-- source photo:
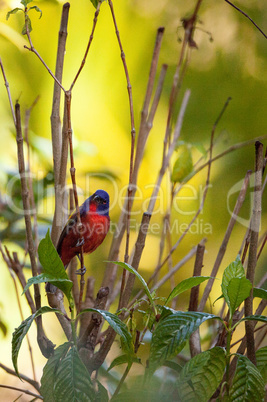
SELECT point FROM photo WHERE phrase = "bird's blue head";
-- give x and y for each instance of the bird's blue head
(99, 202)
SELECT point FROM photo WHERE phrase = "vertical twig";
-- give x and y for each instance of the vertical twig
(8, 91)
(238, 205)
(89, 44)
(252, 256)
(144, 131)
(46, 346)
(55, 114)
(194, 341)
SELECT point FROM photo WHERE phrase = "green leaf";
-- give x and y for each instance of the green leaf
(238, 290)
(183, 165)
(173, 365)
(95, 3)
(119, 327)
(171, 333)
(261, 318)
(53, 266)
(20, 332)
(124, 359)
(49, 372)
(36, 9)
(201, 376)
(185, 285)
(247, 384)
(141, 279)
(44, 278)
(102, 393)
(233, 271)
(259, 292)
(25, 2)
(261, 357)
(200, 147)
(28, 24)
(14, 11)
(73, 382)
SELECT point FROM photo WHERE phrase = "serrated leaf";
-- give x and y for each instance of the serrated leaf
(171, 333)
(14, 11)
(20, 332)
(49, 372)
(102, 393)
(185, 285)
(129, 268)
(53, 266)
(234, 270)
(119, 327)
(183, 165)
(124, 359)
(259, 292)
(238, 290)
(36, 9)
(261, 357)
(73, 382)
(247, 384)
(201, 376)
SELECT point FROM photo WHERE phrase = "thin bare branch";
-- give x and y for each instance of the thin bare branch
(247, 16)
(130, 186)
(238, 205)
(194, 341)
(25, 391)
(252, 256)
(45, 344)
(34, 383)
(8, 91)
(89, 44)
(55, 113)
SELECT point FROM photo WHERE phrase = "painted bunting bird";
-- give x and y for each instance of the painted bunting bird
(95, 222)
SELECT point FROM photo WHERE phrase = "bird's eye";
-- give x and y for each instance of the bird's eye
(104, 202)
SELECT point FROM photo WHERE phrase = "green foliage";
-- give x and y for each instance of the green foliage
(247, 384)
(95, 2)
(119, 327)
(171, 333)
(124, 359)
(129, 268)
(183, 165)
(49, 372)
(20, 332)
(261, 357)
(27, 28)
(235, 287)
(201, 376)
(261, 293)
(53, 268)
(186, 284)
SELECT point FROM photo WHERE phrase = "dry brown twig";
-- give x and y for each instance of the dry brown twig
(252, 257)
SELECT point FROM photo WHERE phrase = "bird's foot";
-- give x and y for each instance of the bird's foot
(81, 271)
(80, 242)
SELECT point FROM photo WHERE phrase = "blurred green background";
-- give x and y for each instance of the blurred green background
(233, 64)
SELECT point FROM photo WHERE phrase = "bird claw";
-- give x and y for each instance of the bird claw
(81, 271)
(80, 242)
